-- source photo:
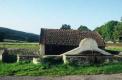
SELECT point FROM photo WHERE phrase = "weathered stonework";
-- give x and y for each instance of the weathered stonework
(1, 52)
(87, 52)
(42, 50)
(36, 60)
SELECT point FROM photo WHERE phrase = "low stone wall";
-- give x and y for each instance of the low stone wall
(16, 55)
(84, 60)
(81, 60)
(116, 58)
(26, 57)
(78, 60)
(52, 59)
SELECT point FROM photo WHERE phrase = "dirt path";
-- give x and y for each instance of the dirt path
(79, 77)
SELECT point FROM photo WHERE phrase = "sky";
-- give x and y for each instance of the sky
(31, 15)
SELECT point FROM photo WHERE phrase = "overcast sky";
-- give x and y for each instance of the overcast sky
(31, 15)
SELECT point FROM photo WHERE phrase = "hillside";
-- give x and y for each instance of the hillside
(10, 34)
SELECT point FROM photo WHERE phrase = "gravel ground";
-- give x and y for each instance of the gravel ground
(75, 77)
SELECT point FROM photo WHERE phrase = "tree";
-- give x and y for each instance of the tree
(2, 36)
(83, 28)
(65, 26)
(107, 30)
(117, 31)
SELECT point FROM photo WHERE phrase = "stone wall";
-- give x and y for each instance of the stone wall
(83, 60)
(16, 55)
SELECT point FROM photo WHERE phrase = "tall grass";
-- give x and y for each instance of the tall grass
(29, 69)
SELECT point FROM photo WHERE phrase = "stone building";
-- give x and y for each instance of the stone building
(58, 41)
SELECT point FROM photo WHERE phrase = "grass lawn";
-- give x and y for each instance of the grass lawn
(29, 69)
(114, 47)
(20, 45)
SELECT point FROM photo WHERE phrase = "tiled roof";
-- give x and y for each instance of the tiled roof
(68, 37)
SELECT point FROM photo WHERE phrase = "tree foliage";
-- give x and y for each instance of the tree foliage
(83, 28)
(111, 30)
(65, 26)
(117, 31)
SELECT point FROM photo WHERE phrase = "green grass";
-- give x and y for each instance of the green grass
(20, 45)
(114, 47)
(29, 69)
